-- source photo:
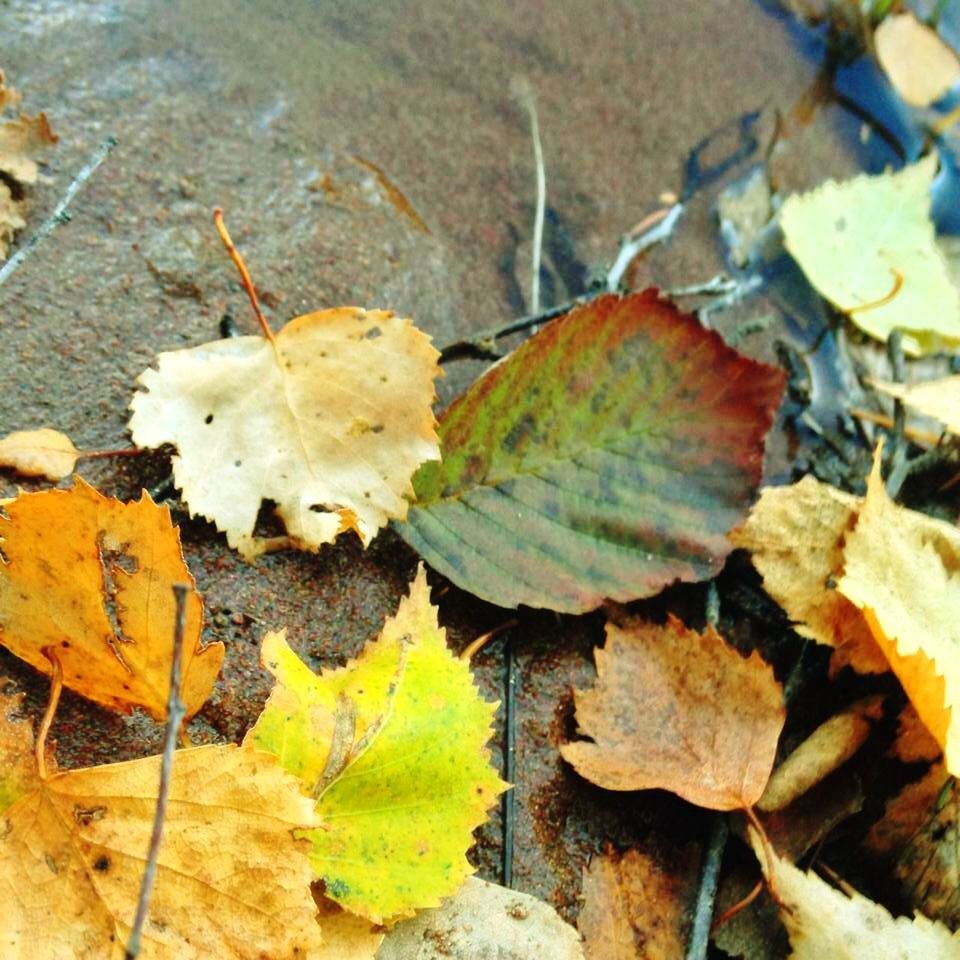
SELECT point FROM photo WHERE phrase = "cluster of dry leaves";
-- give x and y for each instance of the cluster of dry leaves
(349, 806)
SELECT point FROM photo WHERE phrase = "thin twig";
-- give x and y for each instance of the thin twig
(56, 686)
(175, 714)
(707, 892)
(633, 245)
(898, 446)
(59, 215)
(509, 760)
(523, 92)
(244, 273)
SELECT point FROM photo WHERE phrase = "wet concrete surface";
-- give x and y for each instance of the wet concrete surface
(259, 108)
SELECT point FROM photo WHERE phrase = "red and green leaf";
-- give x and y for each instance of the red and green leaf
(607, 457)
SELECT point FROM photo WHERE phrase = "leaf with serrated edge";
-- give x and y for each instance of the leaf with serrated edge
(825, 923)
(679, 710)
(606, 458)
(868, 245)
(329, 421)
(232, 881)
(400, 808)
(92, 577)
(901, 569)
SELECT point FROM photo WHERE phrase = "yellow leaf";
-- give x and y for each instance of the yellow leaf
(939, 399)
(92, 578)
(679, 710)
(796, 536)
(232, 882)
(921, 66)
(345, 935)
(868, 246)
(825, 923)
(902, 569)
(394, 747)
(329, 421)
(39, 453)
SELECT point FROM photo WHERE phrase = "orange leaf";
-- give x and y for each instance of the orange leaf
(680, 710)
(92, 577)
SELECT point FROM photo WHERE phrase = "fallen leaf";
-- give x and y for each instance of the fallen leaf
(939, 399)
(39, 453)
(680, 710)
(901, 569)
(829, 746)
(921, 66)
(638, 905)
(913, 742)
(608, 456)
(345, 935)
(329, 421)
(21, 141)
(823, 922)
(231, 880)
(796, 537)
(481, 921)
(396, 743)
(92, 578)
(904, 815)
(868, 245)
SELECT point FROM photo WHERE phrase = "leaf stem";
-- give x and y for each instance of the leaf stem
(475, 646)
(56, 687)
(244, 273)
(175, 714)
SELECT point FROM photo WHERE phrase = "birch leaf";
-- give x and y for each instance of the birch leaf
(394, 744)
(868, 245)
(92, 577)
(232, 882)
(329, 421)
(39, 453)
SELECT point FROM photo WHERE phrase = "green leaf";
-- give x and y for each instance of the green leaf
(607, 457)
(394, 744)
(868, 245)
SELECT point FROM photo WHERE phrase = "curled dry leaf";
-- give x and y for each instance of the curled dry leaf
(921, 66)
(232, 881)
(680, 710)
(482, 921)
(393, 746)
(868, 245)
(92, 578)
(823, 922)
(829, 746)
(902, 569)
(607, 457)
(796, 536)
(39, 453)
(638, 904)
(329, 421)
(21, 141)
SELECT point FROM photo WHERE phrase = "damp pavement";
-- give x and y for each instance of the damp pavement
(262, 108)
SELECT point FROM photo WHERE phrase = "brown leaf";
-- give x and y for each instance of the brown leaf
(638, 904)
(921, 66)
(680, 710)
(92, 578)
(329, 421)
(39, 453)
(232, 882)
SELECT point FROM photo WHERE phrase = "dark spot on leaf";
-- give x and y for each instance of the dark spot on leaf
(87, 815)
(372, 333)
(208, 418)
(101, 864)
(237, 463)
(377, 428)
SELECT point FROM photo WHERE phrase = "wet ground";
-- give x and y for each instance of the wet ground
(260, 108)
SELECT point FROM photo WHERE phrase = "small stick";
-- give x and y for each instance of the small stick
(523, 92)
(742, 904)
(244, 273)
(59, 214)
(509, 761)
(882, 420)
(472, 648)
(898, 448)
(175, 714)
(632, 246)
(56, 687)
(707, 892)
(119, 452)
